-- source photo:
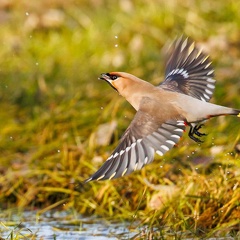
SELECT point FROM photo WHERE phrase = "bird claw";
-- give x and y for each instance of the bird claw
(195, 131)
(196, 128)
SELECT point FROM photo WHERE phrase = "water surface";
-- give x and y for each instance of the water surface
(60, 225)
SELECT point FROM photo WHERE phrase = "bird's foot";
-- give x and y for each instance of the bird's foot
(194, 130)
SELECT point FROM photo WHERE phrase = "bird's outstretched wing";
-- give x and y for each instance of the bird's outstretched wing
(188, 71)
(144, 136)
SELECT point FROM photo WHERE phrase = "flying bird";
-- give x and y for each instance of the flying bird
(163, 111)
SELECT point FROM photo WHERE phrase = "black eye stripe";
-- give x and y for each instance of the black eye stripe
(111, 76)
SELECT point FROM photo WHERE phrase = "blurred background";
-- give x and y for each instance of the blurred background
(58, 123)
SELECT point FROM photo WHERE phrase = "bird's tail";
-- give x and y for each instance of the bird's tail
(235, 112)
(225, 111)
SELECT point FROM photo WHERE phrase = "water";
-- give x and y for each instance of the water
(60, 225)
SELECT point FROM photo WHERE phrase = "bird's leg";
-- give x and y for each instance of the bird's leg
(194, 131)
(196, 128)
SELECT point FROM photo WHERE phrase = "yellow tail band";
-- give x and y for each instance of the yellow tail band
(238, 115)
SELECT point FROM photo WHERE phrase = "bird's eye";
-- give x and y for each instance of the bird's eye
(113, 77)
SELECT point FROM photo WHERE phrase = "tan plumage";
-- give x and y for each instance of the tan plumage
(163, 111)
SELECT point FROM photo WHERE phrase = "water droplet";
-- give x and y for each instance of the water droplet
(101, 108)
(161, 166)
(58, 151)
(116, 36)
(116, 45)
(36, 63)
(27, 14)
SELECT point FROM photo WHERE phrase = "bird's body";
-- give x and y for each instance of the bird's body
(163, 111)
(172, 104)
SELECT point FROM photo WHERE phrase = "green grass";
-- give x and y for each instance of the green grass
(52, 104)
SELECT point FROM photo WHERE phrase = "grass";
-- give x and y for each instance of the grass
(52, 106)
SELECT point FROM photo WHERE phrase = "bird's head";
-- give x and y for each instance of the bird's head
(120, 81)
(111, 79)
